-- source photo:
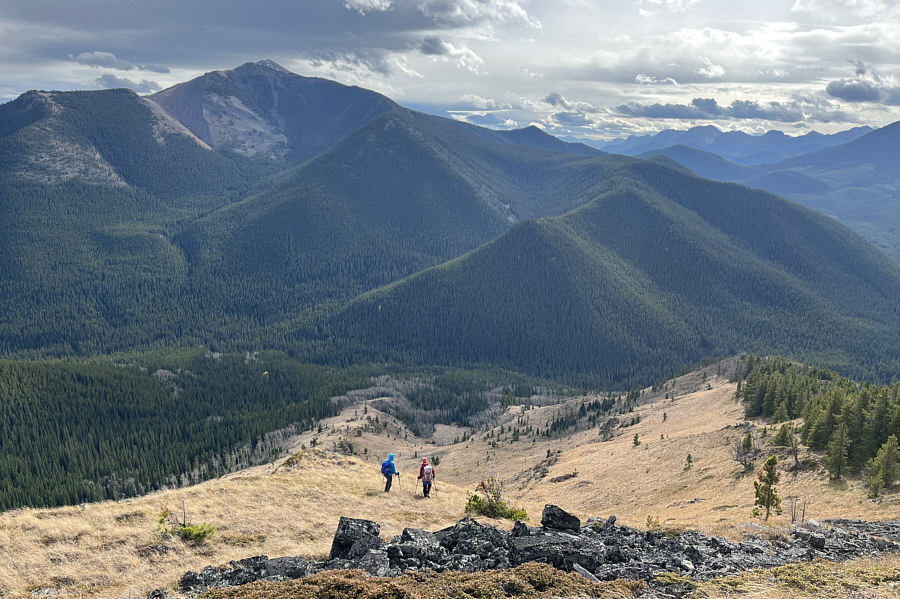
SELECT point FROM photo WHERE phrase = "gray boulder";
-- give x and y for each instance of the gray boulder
(351, 531)
(556, 517)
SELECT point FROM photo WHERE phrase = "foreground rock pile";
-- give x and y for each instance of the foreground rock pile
(600, 549)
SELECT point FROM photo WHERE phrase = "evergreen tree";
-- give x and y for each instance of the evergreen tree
(766, 495)
(883, 467)
(836, 454)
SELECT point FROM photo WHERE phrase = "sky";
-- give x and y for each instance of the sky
(594, 69)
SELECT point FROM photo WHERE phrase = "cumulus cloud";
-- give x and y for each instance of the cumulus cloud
(461, 13)
(643, 79)
(464, 57)
(571, 119)
(709, 109)
(867, 86)
(374, 60)
(479, 103)
(486, 120)
(364, 6)
(709, 69)
(557, 100)
(112, 82)
(102, 59)
(111, 61)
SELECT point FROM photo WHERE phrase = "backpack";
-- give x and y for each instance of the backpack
(427, 474)
(387, 468)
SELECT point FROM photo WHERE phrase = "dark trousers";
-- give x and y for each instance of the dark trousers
(387, 485)
(426, 489)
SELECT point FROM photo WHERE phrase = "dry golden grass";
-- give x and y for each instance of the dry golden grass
(860, 579)
(292, 508)
(113, 549)
(615, 477)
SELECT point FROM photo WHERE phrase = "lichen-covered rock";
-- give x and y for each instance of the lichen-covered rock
(416, 549)
(376, 563)
(290, 567)
(351, 531)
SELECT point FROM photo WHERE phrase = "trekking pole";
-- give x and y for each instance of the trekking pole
(416, 492)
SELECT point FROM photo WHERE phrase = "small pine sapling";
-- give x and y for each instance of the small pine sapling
(767, 497)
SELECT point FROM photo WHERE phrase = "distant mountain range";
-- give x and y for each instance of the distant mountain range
(857, 182)
(735, 146)
(255, 208)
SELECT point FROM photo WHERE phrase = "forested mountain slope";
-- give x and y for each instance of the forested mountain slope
(241, 224)
(404, 192)
(857, 182)
(661, 268)
(124, 229)
(92, 185)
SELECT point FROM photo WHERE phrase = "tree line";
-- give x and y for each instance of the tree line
(856, 424)
(73, 432)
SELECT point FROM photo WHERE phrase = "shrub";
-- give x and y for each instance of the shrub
(171, 526)
(195, 533)
(491, 504)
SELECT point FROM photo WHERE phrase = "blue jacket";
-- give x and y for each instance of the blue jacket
(393, 466)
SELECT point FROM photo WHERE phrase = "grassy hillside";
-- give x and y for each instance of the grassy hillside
(112, 549)
(660, 269)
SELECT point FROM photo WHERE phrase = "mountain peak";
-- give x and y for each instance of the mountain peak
(271, 64)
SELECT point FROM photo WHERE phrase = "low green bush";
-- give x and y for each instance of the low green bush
(491, 504)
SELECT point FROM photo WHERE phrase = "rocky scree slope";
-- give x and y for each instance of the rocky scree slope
(600, 550)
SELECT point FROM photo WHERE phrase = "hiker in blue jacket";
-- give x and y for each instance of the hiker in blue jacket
(389, 469)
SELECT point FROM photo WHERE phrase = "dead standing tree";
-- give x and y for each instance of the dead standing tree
(744, 450)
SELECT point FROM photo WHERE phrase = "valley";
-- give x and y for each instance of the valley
(225, 303)
(291, 507)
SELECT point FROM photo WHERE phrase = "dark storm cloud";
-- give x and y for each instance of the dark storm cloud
(868, 86)
(853, 90)
(163, 29)
(207, 34)
(707, 106)
(111, 82)
(434, 46)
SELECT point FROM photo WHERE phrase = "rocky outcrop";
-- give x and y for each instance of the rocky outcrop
(354, 538)
(600, 549)
(555, 517)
